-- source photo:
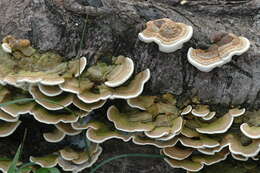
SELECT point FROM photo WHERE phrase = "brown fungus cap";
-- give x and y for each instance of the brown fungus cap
(169, 35)
(222, 124)
(55, 136)
(51, 103)
(201, 142)
(141, 102)
(219, 53)
(177, 153)
(53, 117)
(236, 147)
(186, 110)
(144, 140)
(50, 91)
(8, 118)
(122, 121)
(87, 107)
(48, 161)
(76, 86)
(67, 129)
(200, 110)
(99, 132)
(121, 73)
(7, 128)
(252, 132)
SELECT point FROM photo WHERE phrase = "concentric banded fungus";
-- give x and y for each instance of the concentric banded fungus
(165, 126)
(169, 35)
(6, 117)
(51, 103)
(54, 136)
(7, 128)
(201, 111)
(48, 161)
(209, 116)
(99, 132)
(144, 140)
(87, 107)
(121, 73)
(221, 125)
(236, 147)
(122, 121)
(141, 102)
(252, 132)
(239, 157)
(52, 117)
(219, 53)
(134, 88)
(186, 110)
(75, 86)
(69, 154)
(177, 153)
(201, 142)
(17, 108)
(67, 129)
(190, 133)
(88, 161)
(196, 162)
(50, 90)
(82, 64)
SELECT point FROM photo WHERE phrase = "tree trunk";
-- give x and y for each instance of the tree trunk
(112, 28)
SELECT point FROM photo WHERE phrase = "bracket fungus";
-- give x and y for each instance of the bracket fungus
(219, 53)
(7, 128)
(55, 136)
(48, 161)
(169, 35)
(252, 132)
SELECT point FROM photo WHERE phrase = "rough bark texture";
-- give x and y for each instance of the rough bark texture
(112, 28)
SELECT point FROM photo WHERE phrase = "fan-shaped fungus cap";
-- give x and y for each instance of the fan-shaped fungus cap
(88, 96)
(6, 117)
(144, 140)
(186, 110)
(121, 73)
(173, 129)
(17, 108)
(67, 129)
(201, 142)
(55, 136)
(134, 88)
(141, 102)
(6, 48)
(169, 35)
(99, 132)
(4, 165)
(201, 111)
(252, 132)
(219, 53)
(222, 124)
(122, 121)
(209, 116)
(177, 153)
(51, 103)
(7, 128)
(188, 132)
(186, 164)
(69, 154)
(87, 107)
(236, 147)
(52, 117)
(76, 86)
(48, 161)
(239, 157)
(70, 166)
(50, 90)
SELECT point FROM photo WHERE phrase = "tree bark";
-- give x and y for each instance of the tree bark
(112, 28)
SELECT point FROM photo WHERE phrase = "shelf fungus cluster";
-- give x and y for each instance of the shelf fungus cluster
(70, 159)
(190, 137)
(62, 94)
